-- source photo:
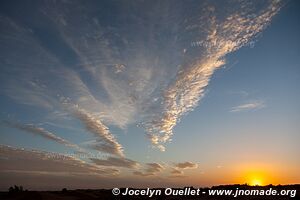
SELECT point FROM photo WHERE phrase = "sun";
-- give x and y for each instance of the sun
(257, 174)
(256, 179)
(256, 182)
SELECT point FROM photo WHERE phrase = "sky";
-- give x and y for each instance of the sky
(103, 94)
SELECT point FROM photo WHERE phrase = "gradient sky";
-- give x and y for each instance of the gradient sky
(108, 94)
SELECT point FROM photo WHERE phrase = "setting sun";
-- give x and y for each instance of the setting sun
(257, 174)
(256, 182)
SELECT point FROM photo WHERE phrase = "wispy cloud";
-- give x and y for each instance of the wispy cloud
(31, 128)
(106, 142)
(186, 165)
(116, 162)
(177, 170)
(223, 36)
(146, 78)
(150, 170)
(33, 161)
(254, 105)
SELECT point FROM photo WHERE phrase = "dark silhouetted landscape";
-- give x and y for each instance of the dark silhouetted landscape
(15, 193)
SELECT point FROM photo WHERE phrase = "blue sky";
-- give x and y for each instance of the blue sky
(125, 90)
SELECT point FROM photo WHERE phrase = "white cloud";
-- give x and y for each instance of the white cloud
(115, 162)
(127, 77)
(254, 105)
(30, 128)
(186, 165)
(223, 36)
(33, 161)
(150, 170)
(176, 171)
(105, 142)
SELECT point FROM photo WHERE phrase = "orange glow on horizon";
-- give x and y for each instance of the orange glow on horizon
(256, 182)
(258, 176)
(253, 174)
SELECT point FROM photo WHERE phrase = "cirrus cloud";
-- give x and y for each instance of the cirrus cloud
(253, 105)
(24, 161)
(124, 75)
(150, 170)
(30, 128)
(186, 165)
(116, 162)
